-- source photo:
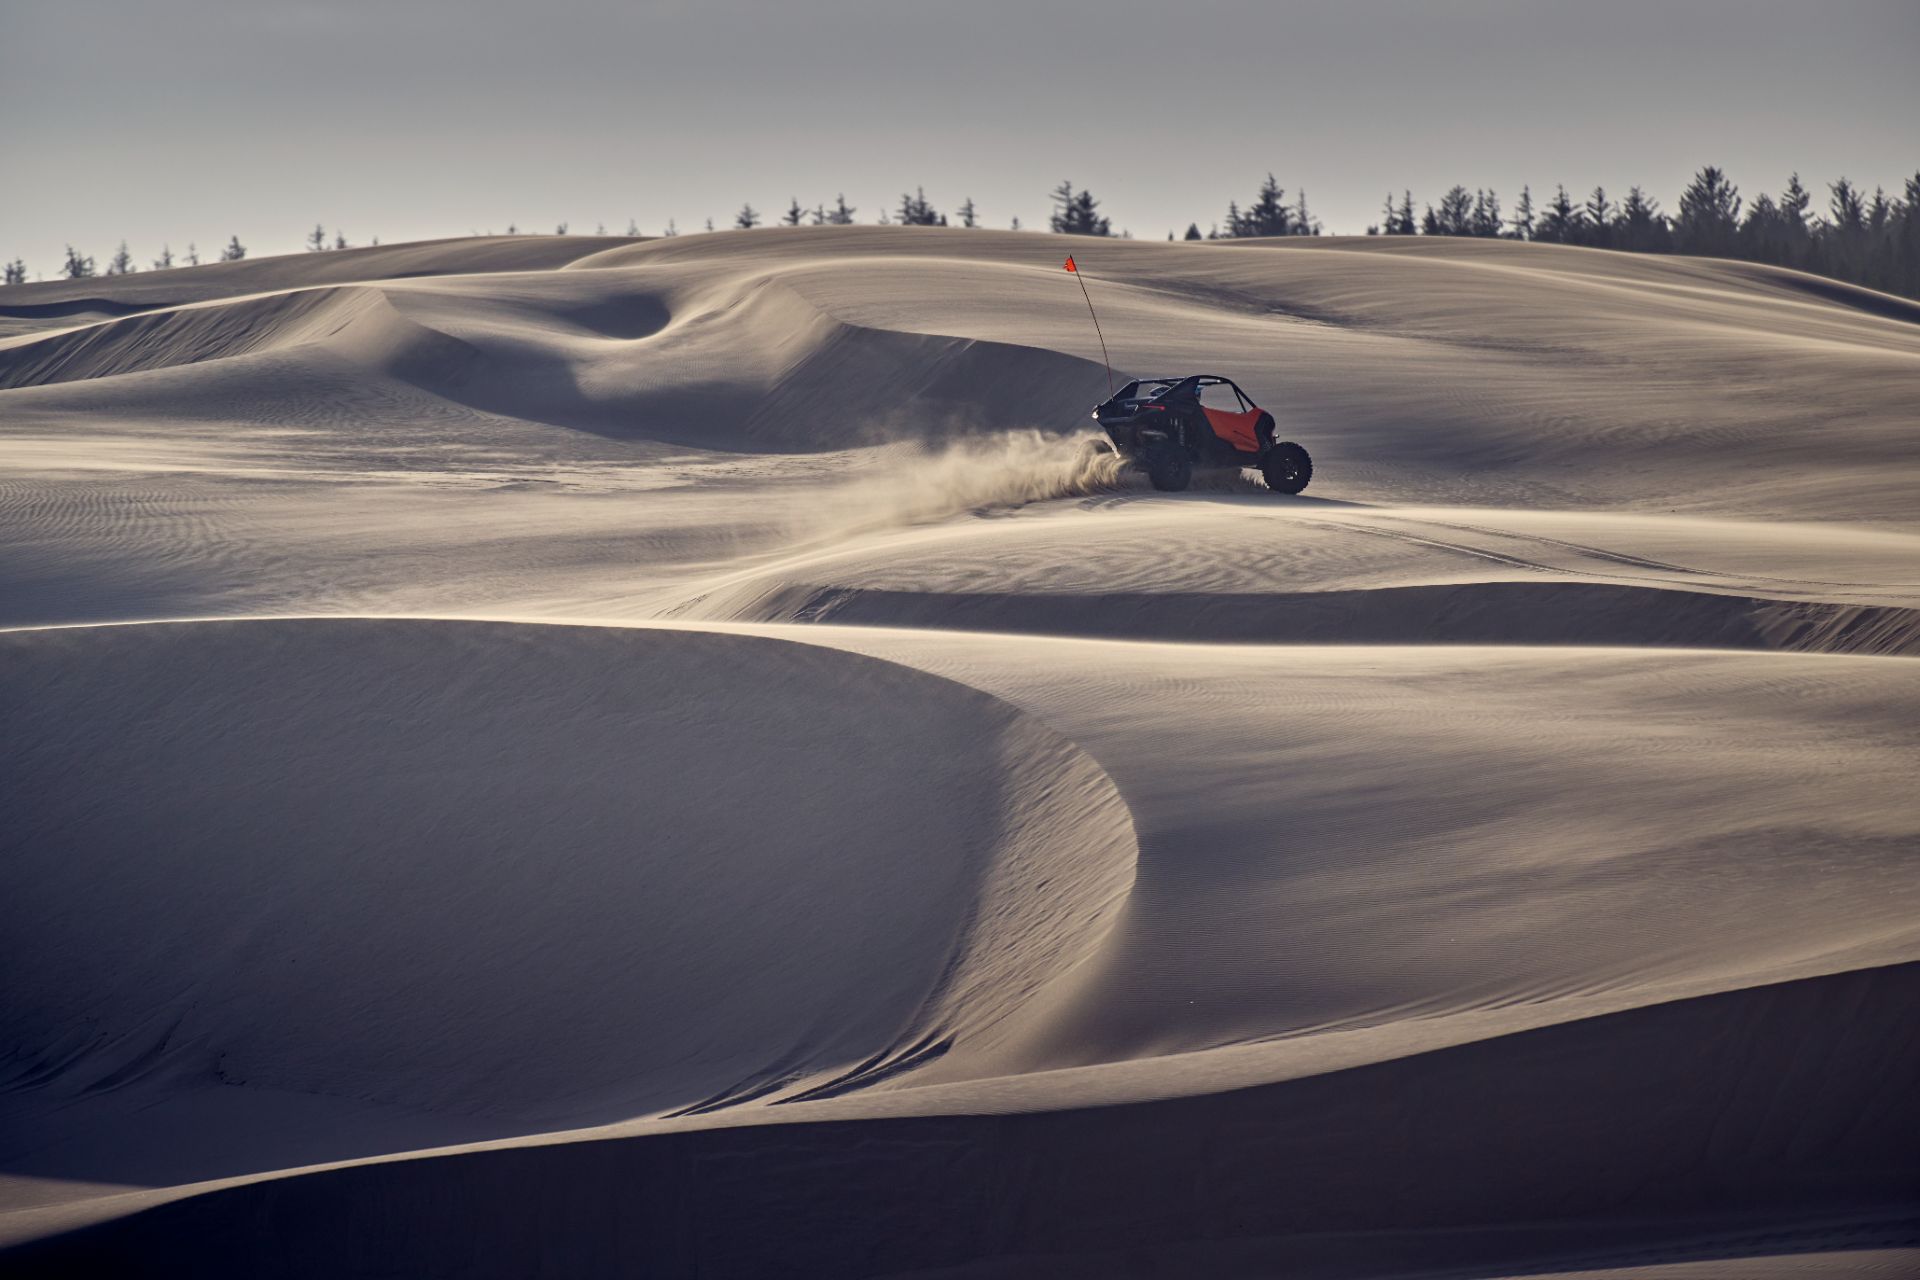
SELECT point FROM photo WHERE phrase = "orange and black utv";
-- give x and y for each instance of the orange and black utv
(1171, 426)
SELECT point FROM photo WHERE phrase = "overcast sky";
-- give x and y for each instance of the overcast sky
(192, 120)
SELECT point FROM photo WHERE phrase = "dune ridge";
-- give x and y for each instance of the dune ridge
(1474, 614)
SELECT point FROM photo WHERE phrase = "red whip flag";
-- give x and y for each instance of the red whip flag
(1096, 321)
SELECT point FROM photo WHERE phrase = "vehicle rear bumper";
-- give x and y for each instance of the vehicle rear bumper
(1137, 432)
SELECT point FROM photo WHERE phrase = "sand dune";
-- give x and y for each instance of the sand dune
(1285, 1178)
(665, 756)
(541, 786)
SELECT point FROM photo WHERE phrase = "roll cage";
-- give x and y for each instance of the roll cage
(1147, 390)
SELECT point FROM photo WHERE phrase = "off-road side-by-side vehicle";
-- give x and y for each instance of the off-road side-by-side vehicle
(1170, 427)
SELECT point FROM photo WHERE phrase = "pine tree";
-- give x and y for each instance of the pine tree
(340, 240)
(1429, 222)
(709, 224)
(1848, 208)
(791, 218)
(1599, 219)
(560, 230)
(165, 260)
(1390, 217)
(672, 229)
(16, 272)
(969, 216)
(1087, 217)
(1076, 213)
(1455, 217)
(1794, 233)
(1303, 221)
(1640, 227)
(234, 251)
(1881, 254)
(818, 217)
(121, 264)
(1268, 215)
(1763, 234)
(1906, 243)
(1062, 206)
(841, 215)
(1015, 224)
(193, 254)
(1406, 227)
(1193, 231)
(1522, 222)
(1486, 214)
(747, 219)
(1709, 215)
(1844, 239)
(633, 227)
(77, 266)
(1560, 224)
(317, 239)
(916, 212)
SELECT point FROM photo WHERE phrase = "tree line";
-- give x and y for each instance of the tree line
(80, 266)
(1869, 240)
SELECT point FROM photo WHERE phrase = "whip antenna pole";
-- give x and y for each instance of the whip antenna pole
(1096, 321)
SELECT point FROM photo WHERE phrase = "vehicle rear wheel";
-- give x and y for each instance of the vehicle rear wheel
(1169, 468)
(1286, 467)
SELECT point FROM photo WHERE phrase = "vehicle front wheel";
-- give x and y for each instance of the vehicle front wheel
(1169, 468)
(1286, 467)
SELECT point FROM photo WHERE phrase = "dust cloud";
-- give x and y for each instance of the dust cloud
(909, 484)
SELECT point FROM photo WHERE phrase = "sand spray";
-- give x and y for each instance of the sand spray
(919, 483)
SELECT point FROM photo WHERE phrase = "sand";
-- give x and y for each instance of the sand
(564, 755)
